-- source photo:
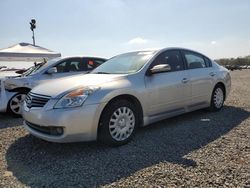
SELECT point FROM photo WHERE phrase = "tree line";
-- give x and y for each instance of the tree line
(234, 61)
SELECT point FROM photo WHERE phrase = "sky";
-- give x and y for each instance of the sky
(104, 28)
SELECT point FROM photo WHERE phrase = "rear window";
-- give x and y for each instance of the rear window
(208, 62)
(194, 60)
(93, 63)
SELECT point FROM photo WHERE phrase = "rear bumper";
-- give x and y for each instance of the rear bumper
(228, 83)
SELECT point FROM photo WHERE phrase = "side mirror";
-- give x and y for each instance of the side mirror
(160, 68)
(52, 70)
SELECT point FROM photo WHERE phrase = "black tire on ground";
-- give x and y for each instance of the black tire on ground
(218, 90)
(12, 101)
(104, 130)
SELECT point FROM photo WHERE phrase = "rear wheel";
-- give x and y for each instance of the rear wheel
(118, 123)
(15, 104)
(218, 98)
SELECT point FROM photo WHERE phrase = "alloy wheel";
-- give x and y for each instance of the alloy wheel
(16, 103)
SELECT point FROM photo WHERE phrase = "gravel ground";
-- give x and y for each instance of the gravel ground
(199, 149)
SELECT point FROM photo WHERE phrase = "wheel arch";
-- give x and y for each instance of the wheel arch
(21, 89)
(223, 87)
(131, 98)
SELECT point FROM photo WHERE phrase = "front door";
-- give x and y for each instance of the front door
(168, 92)
(67, 67)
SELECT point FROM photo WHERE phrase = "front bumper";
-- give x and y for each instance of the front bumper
(5, 96)
(78, 124)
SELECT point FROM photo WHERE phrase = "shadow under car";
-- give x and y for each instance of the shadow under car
(38, 163)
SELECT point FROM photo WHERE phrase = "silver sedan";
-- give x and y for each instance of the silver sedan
(129, 90)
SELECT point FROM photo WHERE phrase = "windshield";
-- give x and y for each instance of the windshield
(44, 66)
(32, 69)
(124, 64)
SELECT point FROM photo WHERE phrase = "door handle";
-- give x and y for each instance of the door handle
(212, 74)
(184, 80)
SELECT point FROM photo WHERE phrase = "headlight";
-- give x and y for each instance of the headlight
(75, 98)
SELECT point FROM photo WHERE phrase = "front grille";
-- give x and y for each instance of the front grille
(36, 100)
(54, 131)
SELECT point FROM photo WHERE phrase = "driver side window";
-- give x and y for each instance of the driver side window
(172, 58)
(69, 65)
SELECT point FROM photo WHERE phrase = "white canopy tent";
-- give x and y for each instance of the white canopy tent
(26, 52)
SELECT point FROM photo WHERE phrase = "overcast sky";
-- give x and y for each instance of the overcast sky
(217, 28)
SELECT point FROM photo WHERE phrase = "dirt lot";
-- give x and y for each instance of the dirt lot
(200, 149)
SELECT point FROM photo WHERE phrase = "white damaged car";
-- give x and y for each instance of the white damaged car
(16, 88)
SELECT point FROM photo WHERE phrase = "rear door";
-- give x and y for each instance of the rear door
(168, 91)
(201, 75)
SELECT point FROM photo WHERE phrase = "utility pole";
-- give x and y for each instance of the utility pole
(32, 27)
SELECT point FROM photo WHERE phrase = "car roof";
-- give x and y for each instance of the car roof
(159, 50)
(181, 48)
(69, 57)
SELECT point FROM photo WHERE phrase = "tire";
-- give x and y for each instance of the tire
(15, 104)
(218, 98)
(118, 123)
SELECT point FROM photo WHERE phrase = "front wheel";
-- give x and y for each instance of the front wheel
(218, 98)
(15, 104)
(118, 123)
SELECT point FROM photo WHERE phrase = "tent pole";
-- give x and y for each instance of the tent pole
(33, 37)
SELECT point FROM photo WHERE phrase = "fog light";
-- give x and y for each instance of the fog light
(59, 130)
(56, 131)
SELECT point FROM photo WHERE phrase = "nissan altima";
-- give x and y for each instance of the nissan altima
(128, 91)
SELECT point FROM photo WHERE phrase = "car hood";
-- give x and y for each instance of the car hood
(6, 74)
(59, 86)
(15, 82)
